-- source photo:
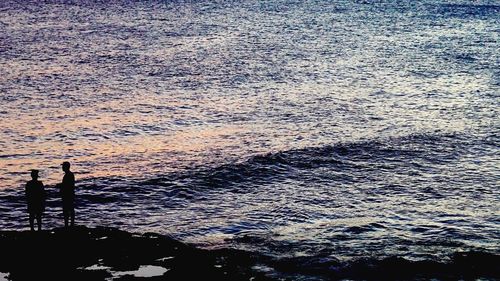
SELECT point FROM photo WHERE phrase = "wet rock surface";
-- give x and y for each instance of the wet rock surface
(110, 254)
(105, 253)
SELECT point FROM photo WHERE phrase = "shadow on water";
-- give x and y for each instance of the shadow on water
(417, 150)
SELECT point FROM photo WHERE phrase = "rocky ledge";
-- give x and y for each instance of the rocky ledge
(104, 253)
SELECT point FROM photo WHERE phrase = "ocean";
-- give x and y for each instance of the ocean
(343, 130)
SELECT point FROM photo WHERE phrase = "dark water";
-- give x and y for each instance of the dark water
(348, 129)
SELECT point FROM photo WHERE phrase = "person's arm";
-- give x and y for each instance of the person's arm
(28, 192)
(43, 190)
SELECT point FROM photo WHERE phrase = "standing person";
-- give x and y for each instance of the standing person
(67, 190)
(35, 196)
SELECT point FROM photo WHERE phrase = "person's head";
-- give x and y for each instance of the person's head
(34, 174)
(65, 166)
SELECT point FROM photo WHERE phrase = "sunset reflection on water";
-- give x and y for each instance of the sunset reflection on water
(361, 127)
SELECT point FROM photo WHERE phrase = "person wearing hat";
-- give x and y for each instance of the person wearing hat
(35, 196)
(67, 191)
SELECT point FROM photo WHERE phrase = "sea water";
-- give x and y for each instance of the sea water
(341, 129)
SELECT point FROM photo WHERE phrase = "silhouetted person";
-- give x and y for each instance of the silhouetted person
(67, 190)
(35, 196)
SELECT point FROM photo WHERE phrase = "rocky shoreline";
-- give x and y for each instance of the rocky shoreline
(104, 253)
(110, 254)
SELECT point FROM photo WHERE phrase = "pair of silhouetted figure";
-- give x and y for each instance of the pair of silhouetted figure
(35, 195)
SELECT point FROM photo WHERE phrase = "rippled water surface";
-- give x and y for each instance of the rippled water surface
(295, 128)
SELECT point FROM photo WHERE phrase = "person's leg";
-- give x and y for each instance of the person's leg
(39, 221)
(73, 216)
(32, 221)
(66, 215)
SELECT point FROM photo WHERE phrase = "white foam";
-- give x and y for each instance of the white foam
(96, 267)
(4, 276)
(165, 259)
(145, 271)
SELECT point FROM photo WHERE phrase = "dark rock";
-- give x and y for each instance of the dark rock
(105, 253)
(67, 254)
